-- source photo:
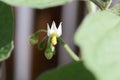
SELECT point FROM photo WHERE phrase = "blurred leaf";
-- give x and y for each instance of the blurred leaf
(73, 71)
(6, 31)
(36, 3)
(99, 39)
(6, 24)
(116, 9)
(5, 51)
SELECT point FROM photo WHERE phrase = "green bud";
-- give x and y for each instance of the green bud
(33, 39)
(50, 51)
(48, 54)
(52, 48)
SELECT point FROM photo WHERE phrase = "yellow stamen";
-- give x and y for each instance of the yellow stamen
(54, 40)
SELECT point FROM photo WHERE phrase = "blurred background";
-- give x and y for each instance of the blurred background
(26, 61)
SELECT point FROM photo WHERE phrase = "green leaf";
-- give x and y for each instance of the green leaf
(116, 9)
(73, 71)
(99, 39)
(5, 51)
(6, 31)
(36, 3)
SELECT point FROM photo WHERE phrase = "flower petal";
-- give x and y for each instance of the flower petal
(53, 27)
(59, 30)
(48, 30)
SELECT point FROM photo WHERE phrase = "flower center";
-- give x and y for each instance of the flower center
(54, 34)
(54, 40)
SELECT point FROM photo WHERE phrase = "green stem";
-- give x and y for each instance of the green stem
(91, 7)
(69, 50)
(41, 30)
(98, 4)
(108, 4)
(72, 54)
(34, 37)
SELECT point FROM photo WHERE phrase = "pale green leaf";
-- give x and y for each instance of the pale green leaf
(36, 3)
(73, 71)
(99, 39)
(6, 31)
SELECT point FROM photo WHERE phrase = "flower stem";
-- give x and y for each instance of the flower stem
(72, 54)
(69, 50)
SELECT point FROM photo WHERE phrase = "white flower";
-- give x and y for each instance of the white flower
(54, 32)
